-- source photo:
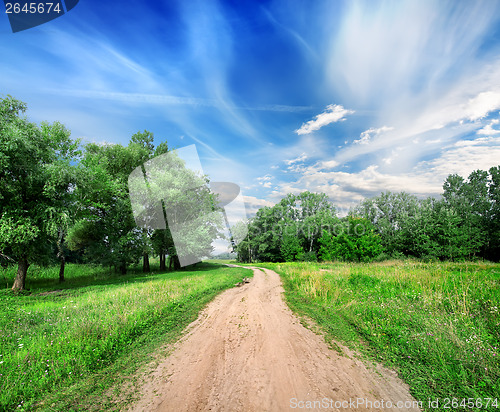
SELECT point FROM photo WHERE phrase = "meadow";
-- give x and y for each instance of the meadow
(437, 324)
(75, 345)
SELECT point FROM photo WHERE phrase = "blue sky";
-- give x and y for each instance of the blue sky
(349, 98)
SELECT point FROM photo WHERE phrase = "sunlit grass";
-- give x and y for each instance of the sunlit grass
(437, 323)
(60, 334)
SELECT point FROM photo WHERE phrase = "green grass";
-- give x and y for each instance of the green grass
(66, 346)
(438, 324)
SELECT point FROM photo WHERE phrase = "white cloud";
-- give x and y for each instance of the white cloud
(164, 99)
(346, 189)
(300, 158)
(332, 114)
(265, 181)
(488, 129)
(446, 119)
(327, 164)
(433, 141)
(463, 157)
(483, 104)
(417, 67)
(264, 178)
(252, 204)
(368, 135)
(385, 52)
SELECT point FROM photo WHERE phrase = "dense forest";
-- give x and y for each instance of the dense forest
(61, 200)
(463, 224)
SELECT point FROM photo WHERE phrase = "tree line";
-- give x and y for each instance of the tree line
(463, 224)
(61, 200)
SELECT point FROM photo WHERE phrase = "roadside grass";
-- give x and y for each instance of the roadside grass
(438, 324)
(64, 345)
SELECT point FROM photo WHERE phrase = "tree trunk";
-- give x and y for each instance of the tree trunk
(60, 255)
(123, 268)
(61, 269)
(145, 263)
(177, 263)
(162, 262)
(22, 270)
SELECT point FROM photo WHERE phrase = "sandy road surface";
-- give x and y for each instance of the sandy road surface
(248, 352)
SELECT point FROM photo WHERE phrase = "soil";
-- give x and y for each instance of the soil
(248, 352)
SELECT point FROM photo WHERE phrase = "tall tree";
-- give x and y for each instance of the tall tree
(177, 202)
(34, 182)
(145, 141)
(105, 229)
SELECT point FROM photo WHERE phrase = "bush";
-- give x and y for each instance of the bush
(307, 257)
(356, 242)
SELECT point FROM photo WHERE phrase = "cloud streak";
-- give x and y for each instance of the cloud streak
(333, 113)
(162, 99)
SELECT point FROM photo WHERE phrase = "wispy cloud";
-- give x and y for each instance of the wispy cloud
(333, 113)
(300, 158)
(163, 99)
(420, 68)
(367, 135)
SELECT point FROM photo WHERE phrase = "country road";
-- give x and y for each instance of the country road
(248, 352)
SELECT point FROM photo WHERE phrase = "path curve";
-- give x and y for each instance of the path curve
(248, 352)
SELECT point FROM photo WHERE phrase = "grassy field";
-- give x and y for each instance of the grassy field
(66, 346)
(438, 324)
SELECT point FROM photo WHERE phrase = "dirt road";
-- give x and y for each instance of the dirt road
(248, 352)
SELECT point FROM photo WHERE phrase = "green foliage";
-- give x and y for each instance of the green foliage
(356, 241)
(35, 180)
(17, 233)
(105, 230)
(464, 224)
(291, 248)
(289, 230)
(307, 257)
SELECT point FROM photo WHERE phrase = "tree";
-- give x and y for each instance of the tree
(290, 245)
(357, 241)
(34, 182)
(105, 229)
(288, 230)
(176, 202)
(493, 250)
(144, 140)
(468, 206)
